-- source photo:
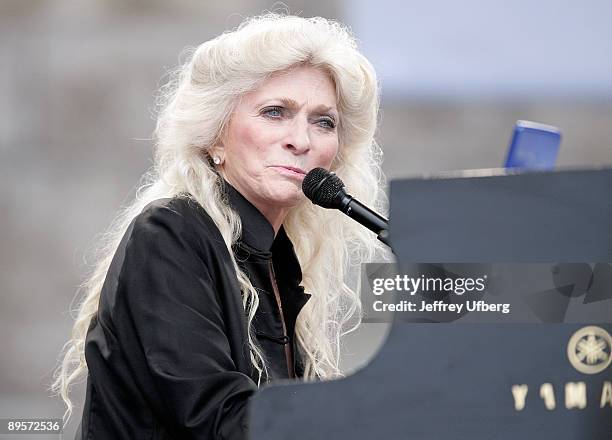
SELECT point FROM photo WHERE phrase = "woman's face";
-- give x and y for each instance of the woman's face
(277, 134)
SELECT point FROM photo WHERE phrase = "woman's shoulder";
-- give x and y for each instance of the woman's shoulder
(180, 215)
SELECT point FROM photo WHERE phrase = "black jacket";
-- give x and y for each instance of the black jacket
(167, 352)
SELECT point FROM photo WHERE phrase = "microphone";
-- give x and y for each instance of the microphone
(326, 189)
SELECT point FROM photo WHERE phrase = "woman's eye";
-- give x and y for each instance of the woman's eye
(327, 123)
(273, 112)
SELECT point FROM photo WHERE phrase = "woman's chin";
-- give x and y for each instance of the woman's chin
(287, 195)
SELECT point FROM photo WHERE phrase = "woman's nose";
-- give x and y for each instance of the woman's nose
(298, 137)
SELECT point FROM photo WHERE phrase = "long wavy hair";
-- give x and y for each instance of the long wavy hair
(194, 108)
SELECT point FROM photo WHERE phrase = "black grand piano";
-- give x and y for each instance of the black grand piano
(544, 375)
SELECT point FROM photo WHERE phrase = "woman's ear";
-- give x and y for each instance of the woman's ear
(217, 155)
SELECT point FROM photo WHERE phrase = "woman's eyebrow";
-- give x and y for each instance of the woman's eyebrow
(291, 103)
(326, 110)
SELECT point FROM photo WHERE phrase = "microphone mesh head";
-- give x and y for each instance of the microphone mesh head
(322, 187)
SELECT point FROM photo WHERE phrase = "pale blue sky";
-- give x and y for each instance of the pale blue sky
(494, 48)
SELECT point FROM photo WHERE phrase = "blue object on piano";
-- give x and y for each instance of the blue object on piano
(533, 146)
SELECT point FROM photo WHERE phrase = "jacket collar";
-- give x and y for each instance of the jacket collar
(257, 232)
(258, 237)
(258, 241)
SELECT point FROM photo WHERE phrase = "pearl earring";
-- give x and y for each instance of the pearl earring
(216, 160)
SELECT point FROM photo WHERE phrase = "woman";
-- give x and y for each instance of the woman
(195, 301)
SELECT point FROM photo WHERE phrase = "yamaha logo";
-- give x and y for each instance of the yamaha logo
(589, 350)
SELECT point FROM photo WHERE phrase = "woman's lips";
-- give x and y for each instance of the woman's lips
(289, 171)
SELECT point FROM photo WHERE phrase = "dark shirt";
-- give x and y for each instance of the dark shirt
(167, 351)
